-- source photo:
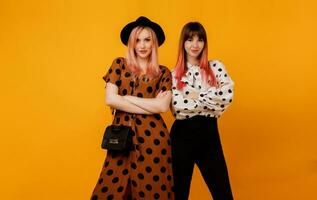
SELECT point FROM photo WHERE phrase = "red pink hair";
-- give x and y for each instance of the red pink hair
(189, 31)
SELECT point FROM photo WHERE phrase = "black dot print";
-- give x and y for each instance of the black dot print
(118, 83)
(109, 172)
(127, 74)
(133, 166)
(156, 178)
(148, 169)
(157, 142)
(147, 133)
(115, 180)
(148, 187)
(125, 171)
(140, 176)
(157, 116)
(152, 124)
(149, 151)
(118, 71)
(149, 89)
(164, 152)
(104, 189)
(162, 134)
(119, 162)
(156, 160)
(134, 184)
(141, 158)
(163, 187)
(141, 140)
(138, 121)
(120, 189)
(141, 194)
(124, 91)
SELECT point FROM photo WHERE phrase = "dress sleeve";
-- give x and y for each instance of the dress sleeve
(218, 99)
(114, 73)
(165, 84)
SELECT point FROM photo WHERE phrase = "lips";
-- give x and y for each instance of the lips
(143, 51)
(194, 50)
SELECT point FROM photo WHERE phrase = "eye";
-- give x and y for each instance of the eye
(148, 39)
(189, 39)
(200, 40)
(138, 40)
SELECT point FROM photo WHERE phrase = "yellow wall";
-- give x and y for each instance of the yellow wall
(54, 53)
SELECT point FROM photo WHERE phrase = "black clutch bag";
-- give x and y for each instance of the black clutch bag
(117, 138)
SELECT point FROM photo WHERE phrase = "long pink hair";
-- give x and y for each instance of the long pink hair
(152, 69)
(190, 30)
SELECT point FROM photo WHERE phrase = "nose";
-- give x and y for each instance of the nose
(195, 44)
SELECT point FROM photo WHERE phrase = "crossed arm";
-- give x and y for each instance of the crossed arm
(137, 105)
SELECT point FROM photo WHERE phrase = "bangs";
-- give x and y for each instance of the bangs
(195, 29)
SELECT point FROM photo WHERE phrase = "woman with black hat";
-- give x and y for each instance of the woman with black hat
(138, 88)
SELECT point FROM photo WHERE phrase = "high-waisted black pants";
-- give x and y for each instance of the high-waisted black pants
(196, 141)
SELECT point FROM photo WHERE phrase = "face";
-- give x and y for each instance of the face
(194, 46)
(143, 47)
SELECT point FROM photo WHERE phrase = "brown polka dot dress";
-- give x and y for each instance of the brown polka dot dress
(146, 172)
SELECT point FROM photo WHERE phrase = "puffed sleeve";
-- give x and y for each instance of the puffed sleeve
(182, 105)
(165, 84)
(218, 99)
(114, 73)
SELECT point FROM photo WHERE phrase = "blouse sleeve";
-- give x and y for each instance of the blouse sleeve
(181, 104)
(218, 99)
(114, 73)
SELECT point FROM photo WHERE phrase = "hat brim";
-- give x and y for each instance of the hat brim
(143, 22)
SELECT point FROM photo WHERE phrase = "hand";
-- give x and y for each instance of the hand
(192, 95)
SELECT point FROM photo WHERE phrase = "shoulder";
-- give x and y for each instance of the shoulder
(217, 66)
(215, 63)
(118, 60)
(164, 69)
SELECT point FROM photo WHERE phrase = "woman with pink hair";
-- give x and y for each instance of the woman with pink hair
(139, 89)
(202, 90)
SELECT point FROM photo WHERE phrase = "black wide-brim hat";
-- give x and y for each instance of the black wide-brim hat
(143, 22)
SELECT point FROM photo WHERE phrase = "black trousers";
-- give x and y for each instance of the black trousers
(196, 141)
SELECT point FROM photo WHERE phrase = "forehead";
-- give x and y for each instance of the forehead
(194, 34)
(144, 33)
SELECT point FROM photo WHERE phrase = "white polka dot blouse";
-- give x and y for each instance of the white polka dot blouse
(211, 101)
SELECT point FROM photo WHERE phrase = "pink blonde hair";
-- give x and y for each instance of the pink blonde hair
(153, 69)
(190, 30)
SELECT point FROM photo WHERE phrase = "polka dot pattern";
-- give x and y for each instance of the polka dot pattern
(211, 101)
(143, 173)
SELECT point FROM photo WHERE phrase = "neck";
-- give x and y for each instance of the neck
(192, 60)
(143, 62)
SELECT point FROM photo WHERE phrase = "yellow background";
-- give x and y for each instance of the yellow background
(54, 53)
